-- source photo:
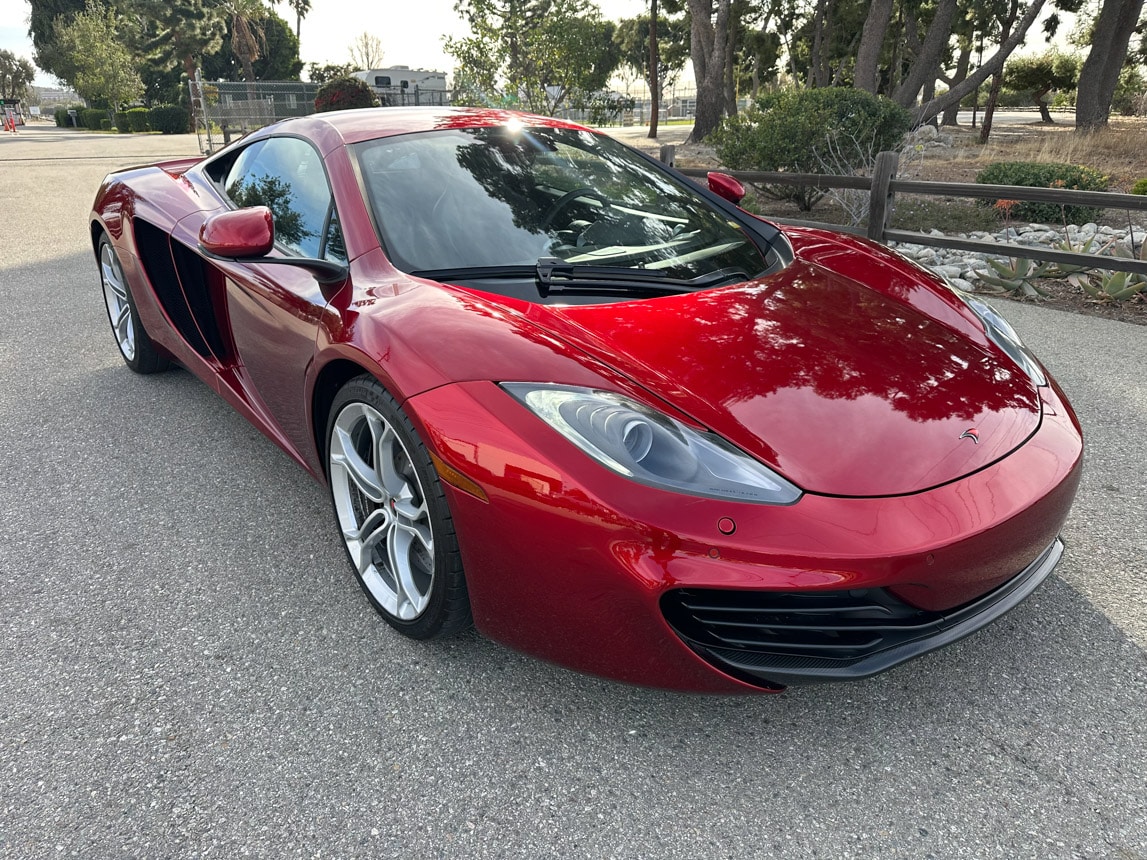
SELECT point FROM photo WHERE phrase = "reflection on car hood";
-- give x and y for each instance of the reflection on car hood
(844, 390)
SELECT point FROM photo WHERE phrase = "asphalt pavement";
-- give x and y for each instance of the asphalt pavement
(188, 669)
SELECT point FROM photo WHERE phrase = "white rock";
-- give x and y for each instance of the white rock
(961, 284)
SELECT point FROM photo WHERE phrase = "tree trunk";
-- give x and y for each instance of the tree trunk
(730, 73)
(951, 114)
(1044, 113)
(1100, 73)
(998, 78)
(926, 66)
(990, 107)
(654, 79)
(867, 76)
(817, 76)
(707, 48)
(996, 62)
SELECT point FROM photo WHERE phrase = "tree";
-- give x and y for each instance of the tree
(300, 8)
(659, 64)
(709, 47)
(925, 66)
(1051, 70)
(279, 60)
(42, 29)
(867, 74)
(1006, 20)
(246, 19)
(1099, 75)
(366, 52)
(538, 54)
(16, 75)
(933, 107)
(180, 32)
(317, 74)
(105, 68)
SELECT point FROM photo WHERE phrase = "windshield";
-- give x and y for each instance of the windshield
(510, 196)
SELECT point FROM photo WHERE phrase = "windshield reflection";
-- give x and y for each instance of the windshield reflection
(507, 195)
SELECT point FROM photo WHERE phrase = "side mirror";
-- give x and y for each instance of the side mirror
(724, 185)
(248, 235)
(240, 234)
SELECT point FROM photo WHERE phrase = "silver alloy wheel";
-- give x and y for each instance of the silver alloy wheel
(382, 511)
(115, 295)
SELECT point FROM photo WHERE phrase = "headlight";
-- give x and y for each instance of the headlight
(651, 448)
(1001, 333)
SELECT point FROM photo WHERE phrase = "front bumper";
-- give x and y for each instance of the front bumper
(571, 563)
(807, 637)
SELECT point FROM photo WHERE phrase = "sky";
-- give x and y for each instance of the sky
(411, 32)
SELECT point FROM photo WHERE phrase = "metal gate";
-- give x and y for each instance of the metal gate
(225, 110)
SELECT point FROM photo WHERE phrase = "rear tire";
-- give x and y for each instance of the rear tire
(138, 351)
(392, 514)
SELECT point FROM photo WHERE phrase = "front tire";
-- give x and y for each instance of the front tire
(138, 351)
(392, 514)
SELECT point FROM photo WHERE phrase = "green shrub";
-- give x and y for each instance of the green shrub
(1031, 174)
(344, 94)
(105, 124)
(122, 123)
(62, 118)
(137, 119)
(831, 130)
(1139, 187)
(169, 119)
(90, 118)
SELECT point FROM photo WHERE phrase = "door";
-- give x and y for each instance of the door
(275, 310)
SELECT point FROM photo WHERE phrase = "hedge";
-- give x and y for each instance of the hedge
(91, 118)
(137, 119)
(344, 94)
(827, 130)
(122, 124)
(1031, 174)
(169, 119)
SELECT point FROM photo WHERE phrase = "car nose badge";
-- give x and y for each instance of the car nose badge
(971, 433)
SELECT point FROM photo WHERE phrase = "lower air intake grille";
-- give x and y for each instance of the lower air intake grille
(801, 637)
(820, 627)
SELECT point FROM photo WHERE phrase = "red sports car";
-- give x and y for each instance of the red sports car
(612, 419)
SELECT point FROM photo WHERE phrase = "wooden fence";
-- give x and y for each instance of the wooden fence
(883, 185)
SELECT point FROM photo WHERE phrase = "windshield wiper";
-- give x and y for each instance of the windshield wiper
(554, 275)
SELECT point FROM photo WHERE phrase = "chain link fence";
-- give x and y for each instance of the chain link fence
(224, 110)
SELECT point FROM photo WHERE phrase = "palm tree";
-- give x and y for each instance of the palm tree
(301, 8)
(248, 40)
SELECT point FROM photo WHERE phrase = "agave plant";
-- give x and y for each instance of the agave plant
(1118, 286)
(1018, 277)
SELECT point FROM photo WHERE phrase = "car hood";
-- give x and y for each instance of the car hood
(844, 390)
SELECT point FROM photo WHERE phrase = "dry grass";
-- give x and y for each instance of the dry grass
(1118, 151)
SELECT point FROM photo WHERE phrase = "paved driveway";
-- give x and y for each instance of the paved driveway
(187, 667)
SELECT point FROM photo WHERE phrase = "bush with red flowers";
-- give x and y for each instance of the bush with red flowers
(344, 94)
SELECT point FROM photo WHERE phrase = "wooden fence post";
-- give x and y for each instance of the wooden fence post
(880, 202)
(668, 154)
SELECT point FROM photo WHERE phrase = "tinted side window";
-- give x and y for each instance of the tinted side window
(286, 175)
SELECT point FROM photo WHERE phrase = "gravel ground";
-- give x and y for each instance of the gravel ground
(188, 669)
